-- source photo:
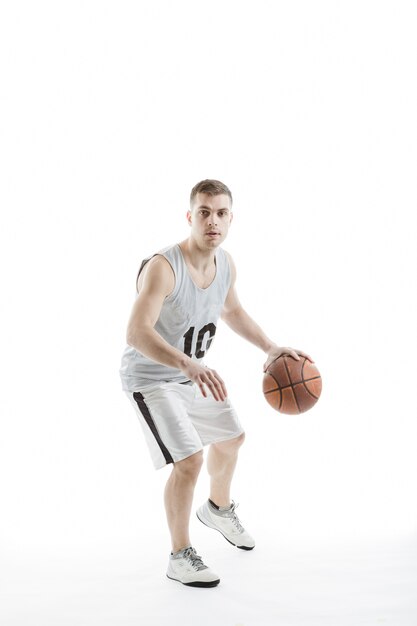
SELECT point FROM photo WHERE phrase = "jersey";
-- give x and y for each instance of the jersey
(187, 321)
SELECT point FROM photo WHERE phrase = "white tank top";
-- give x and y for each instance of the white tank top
(187, 321)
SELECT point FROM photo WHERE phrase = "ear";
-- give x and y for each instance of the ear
(231, 218)
(189, 217)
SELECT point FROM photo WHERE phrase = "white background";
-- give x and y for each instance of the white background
(110, 113)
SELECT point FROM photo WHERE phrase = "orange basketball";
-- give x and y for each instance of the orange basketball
(292, 386)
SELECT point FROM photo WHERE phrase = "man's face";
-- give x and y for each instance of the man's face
(210, 218)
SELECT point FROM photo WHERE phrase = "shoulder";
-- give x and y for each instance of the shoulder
(231, 263)
(159, 263)
(157, 273)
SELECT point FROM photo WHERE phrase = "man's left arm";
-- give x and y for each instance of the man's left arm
(241, 323)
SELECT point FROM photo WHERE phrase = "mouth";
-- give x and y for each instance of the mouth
(213, 233)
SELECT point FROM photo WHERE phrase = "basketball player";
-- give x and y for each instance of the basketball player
(182, 404)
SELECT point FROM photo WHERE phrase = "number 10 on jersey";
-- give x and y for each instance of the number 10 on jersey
(208, 329)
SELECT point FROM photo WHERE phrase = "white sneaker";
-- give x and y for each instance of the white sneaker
(188, 568)
(227, 523)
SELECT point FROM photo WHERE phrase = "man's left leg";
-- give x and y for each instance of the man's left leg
(219, 511)
(221, 463)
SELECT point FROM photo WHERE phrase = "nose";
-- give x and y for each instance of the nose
(212, 220)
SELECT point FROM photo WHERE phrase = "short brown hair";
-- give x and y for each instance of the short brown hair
(212, 188)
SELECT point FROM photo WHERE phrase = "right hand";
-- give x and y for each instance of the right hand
(206, 378)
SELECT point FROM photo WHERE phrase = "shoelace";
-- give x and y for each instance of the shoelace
(234, 517)
(196, 561)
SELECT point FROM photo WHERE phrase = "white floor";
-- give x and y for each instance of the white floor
(355, 584)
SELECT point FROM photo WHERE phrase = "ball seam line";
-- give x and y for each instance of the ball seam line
(292, 388)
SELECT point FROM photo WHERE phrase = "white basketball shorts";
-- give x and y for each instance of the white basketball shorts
(179, 421)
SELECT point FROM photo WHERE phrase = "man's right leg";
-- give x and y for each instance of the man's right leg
(163, 436)
(185, 565)
(179, 492)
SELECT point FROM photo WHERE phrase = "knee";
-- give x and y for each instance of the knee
(191, 466)
(230, 446)
(240, 439)
(237, 441)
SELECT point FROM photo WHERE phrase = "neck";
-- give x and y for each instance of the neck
(198, 257)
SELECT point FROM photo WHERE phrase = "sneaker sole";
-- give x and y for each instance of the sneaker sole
(197, 583)
(219, 531)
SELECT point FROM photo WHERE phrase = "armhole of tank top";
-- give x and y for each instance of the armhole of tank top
(142, 267)
(174, 291)
(146, 261)
(229, 268)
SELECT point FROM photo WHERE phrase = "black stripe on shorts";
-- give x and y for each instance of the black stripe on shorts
(140, 401)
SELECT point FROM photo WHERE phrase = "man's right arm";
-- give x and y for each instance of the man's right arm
(156, 284)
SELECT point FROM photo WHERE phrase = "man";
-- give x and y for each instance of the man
(183, 405)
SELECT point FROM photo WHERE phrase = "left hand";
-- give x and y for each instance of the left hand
(276, 352)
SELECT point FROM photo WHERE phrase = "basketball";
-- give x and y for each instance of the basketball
(292, 386)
